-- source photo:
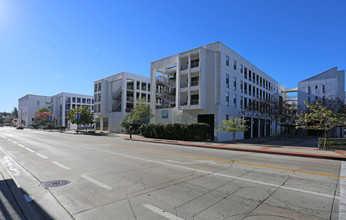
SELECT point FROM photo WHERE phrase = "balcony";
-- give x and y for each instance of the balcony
(194, 101)
(194, 63)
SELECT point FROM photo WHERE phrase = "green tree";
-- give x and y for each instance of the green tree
(15, 112)
(234, 124)
(319, 117)
(140, 114)
(42, 116)
(87, 117)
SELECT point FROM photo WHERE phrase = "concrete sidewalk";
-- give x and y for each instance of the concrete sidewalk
(292, 146)
(13, 204)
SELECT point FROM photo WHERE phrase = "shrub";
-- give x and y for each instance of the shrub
(176, 131)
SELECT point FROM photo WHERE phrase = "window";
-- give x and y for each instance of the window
(235, 100)
(227, 99)
(245, 73)
(99, 89)
(257, 93)
(309, 99)
(241, 68)
(269, 86)
(235, 84)
(138, 85)
(250, 75)
(227, 117)
(79, 99)
(149, 87)
(241, 102)
(144, 86)
(88, 101)
(38, 102)
(235, 64)
(253, 77)
(83, 100)
(194, 81)
(309, 90)
(245, 88)
(254, 91)
(241, 86)
(227, 80)
(257, 79)
(74, 99)
(250, 89)
(261, 81)
(245, 103)
(227, 60)
(316, 89)
(324, 89)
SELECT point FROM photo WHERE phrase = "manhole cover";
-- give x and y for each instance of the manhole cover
(55, 183)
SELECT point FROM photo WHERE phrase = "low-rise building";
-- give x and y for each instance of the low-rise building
(28, 105)
(115, 96)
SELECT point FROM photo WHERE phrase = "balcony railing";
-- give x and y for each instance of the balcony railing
(195, 83)
(194, 63)
(194, 101)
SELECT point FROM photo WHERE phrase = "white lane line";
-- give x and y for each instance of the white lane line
(2, 136)
(29, 149)
(96, 182)
(218, 174)
(342, 203)
(14, 142)
(42, 156)
(20, 145)
(164, 214)
(61, 165)
(9, 139)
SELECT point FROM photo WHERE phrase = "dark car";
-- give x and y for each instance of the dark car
(20, 127)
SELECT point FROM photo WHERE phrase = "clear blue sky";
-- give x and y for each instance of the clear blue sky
(48, 47)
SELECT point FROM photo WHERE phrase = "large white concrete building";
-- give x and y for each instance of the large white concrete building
(58, 104)
(329, 84)
(28, 105)
(114, 94)
(209, 84)
(64, 102)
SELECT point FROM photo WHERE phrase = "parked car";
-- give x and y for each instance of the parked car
(20, 127)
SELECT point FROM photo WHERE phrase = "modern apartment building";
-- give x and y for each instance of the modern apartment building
(329, 84)
(28, 105)
(209, 84)
(58, 104)
(115, 96)
(64, 102)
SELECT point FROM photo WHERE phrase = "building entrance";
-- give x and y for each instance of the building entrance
(208, 119)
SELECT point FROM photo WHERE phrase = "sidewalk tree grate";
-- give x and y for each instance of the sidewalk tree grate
(55, 183)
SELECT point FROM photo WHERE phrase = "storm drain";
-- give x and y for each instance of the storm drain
(55, 183)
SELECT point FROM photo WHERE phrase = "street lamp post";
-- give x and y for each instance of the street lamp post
(131, 120)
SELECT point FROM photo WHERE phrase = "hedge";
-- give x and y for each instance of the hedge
(332, 143)
(176, 131)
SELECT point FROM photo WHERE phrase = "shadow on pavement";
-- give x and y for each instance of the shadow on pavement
(14, 205)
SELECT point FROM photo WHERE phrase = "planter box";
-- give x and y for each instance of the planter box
(336, 146)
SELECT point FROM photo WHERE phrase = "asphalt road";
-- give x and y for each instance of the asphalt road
(111, 178)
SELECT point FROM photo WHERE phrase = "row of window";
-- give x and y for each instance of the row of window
(247, 88)
(80, 100)
(245, 103)
(251, 76)
(316, 89)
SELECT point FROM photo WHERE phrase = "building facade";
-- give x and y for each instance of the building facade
(329, 84)
(58, 104)
(115, 96)
(209, 84)
(28, 105)
(64, 102)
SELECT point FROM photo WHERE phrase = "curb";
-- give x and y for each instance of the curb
(320, 156)
(26, 209)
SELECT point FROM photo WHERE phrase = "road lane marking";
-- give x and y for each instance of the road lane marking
(9, 139)
(42, 156)
(14, 142)
(20, 145)
(217, 174)
(29, 149)
(235, 162)
(96, 182)
(164, 214)
(342, 203)
(193, 162)
(61, 165)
